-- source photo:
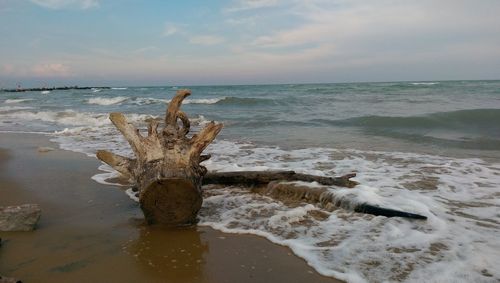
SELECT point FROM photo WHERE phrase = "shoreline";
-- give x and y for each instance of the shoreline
(89, 231)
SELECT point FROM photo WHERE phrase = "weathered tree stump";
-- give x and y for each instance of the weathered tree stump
(167, 168)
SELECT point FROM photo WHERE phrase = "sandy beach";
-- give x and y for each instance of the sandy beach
(93, 232)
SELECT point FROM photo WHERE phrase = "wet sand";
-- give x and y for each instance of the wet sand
(93, 232)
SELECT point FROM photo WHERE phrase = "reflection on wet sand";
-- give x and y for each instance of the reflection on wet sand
(170, 254)
(94, 233)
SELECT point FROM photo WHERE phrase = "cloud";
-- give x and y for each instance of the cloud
(386, 25)
(244, 5)
(249, 21)
(51, 70)
(146, 49)
(206, 40)
(8, 69)
(170, 29)
(62, 4)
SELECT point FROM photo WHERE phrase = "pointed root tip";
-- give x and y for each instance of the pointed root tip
(117, 117)
(183, 92)
(103, 155)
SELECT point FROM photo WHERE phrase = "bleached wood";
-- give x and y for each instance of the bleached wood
(167, 170)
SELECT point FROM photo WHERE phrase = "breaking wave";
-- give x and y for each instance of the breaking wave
(11, 101)
(106, 101)
(424, 83)
(236, 101)
(462, 119)
(473, 129)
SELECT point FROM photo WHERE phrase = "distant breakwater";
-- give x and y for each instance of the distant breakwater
(52, 88)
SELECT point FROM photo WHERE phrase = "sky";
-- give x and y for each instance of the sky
(141, 43)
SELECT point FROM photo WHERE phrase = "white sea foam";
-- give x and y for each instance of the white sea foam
(68, 117)
(203, 100)
(119, 88)
(150, 100)
(132, 194)
(11, 101)
(45, 92)
(103, 178)
(106, 100)
(458, 196)
(13, 108)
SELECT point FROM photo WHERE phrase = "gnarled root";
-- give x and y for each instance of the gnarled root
(166, 170)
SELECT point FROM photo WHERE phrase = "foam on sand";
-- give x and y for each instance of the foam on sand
(456, 244)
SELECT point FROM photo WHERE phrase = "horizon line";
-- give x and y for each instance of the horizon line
(258, 84)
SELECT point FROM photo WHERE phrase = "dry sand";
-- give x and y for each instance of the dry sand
(94, 233)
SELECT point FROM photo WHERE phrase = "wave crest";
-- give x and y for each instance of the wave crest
(11, 101)
(106, 101)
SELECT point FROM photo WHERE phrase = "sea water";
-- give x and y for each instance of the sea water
(431, 148)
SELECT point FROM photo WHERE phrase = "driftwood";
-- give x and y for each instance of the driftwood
(327, 199)
(264, 177)
(168, 176)
(269, 183)
(167, 168)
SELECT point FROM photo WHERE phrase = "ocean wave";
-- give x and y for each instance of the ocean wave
(225, 100)
(11, 101)
(150, 100)
(119, 88)
(424, 83)
(472, 129)
(472, 118)
(13, 108)
(484, 120)
(106, 100)
(68, 117)
(244, 101)
(203, 100)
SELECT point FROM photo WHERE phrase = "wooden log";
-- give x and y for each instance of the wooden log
(326, 199)
(167, 170)
(255, 178)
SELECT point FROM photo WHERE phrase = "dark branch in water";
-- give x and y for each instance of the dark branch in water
(387, 212)
(253, 178)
